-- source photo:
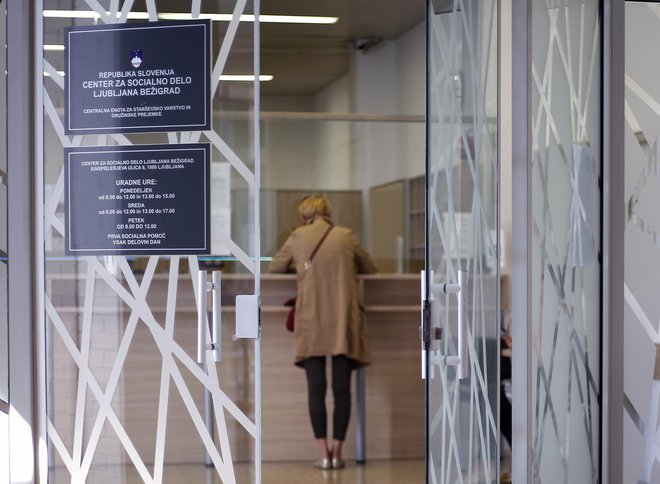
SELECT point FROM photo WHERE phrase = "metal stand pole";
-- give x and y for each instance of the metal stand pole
(208, 419)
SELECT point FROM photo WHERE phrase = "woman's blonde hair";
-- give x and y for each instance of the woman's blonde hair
(313, 206)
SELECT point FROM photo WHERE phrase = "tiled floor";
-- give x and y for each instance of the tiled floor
(374, 472)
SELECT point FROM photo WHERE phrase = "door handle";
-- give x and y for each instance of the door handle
(204, 287)
(425, 320)
(202, 324)
(463, 326)
(216, 321)
(462, 360)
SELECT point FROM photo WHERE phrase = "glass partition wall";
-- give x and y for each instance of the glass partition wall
(370, 169)
(462, 322)
(642, 266)
(566, 239)
(126, 396)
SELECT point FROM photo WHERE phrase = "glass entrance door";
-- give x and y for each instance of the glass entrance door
(147, 381)
(461, 329)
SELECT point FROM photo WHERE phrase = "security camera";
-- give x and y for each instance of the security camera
(365, 44)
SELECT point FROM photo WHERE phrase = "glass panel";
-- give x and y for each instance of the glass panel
(642, 251)
(344, 158)
(462, 239)
(566, 239)
(304, 156)
(126, 396)
(4, 281)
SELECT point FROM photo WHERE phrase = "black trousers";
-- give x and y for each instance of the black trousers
(341, 390)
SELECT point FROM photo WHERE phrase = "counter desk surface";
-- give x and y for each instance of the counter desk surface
(381, 292)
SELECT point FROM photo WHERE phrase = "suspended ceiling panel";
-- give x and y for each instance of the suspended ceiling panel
(304, 59)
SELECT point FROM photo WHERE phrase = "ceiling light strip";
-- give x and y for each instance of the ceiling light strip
(245, 78)
(224, 77)
(218, 17)
(90, 14)
(295, 19)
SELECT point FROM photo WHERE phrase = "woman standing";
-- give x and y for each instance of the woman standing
(328, 316)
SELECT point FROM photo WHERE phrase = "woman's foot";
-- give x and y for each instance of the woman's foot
(338, 463)
(324, 463)
(325, 455)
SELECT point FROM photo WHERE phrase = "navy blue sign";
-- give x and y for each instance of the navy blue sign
(138, 200)
(125, 78)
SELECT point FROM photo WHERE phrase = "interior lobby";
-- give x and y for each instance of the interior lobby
(497, 160)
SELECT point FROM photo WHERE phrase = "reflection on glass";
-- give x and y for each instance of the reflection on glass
(566, 240)
(373, 172)
(377, 193)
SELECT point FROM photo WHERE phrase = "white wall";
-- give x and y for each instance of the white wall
(387, 80)
(390, 80)
(375, 93)
(411, 69)
(4, 448)
(289, 155)
(335, 138)
(287, 103)
(4, 333)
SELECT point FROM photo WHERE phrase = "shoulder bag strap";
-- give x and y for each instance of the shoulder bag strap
(308, 262)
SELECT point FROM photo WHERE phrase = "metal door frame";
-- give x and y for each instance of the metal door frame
(26, 432)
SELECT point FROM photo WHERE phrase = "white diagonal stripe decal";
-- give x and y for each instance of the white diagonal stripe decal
(114, 296)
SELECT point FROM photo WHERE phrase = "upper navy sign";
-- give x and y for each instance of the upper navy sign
(127, 78)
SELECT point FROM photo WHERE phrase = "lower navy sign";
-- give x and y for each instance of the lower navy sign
(123, 78)
(138, 200)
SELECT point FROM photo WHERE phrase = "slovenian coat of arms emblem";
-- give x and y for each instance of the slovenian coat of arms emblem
(136, 58)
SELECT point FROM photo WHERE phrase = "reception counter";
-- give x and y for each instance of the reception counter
(394, 391)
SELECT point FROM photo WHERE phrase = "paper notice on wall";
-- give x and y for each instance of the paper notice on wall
(584, 207)
(220, 208)
(458, 232)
